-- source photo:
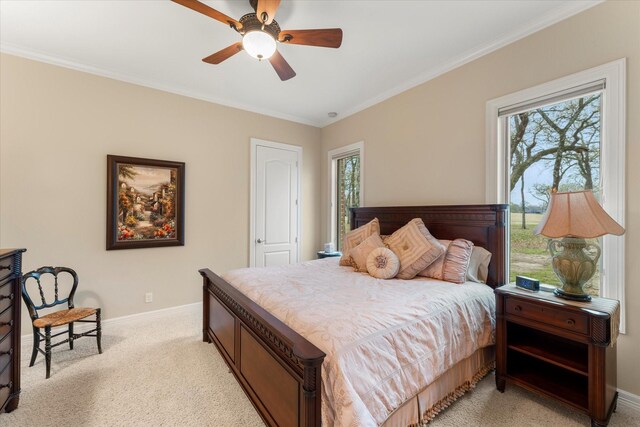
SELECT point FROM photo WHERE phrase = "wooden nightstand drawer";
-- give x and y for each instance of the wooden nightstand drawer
(7, 296)
(6, 384)
(545, 314)
(6, 267)
(6, 321)
(6, 349)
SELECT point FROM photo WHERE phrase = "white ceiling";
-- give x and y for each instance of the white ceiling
(388, 46)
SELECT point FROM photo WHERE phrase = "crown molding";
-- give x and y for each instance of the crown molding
(12, 49)
(553, 17)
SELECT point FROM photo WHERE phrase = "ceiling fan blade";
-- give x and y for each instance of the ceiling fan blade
(328, 37)
(269, 7)
(210, 12)
(223, 54)
(282, 67)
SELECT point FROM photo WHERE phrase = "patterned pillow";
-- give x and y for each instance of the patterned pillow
(452, 266)
(479, 265)
(382, 263)
(434, 271)
(415, 247)
(360, 253)
(456, 261)
(355, 237)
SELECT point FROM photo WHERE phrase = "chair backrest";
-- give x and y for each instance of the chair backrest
(37, 275)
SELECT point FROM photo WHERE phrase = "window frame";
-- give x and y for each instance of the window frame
(612, 163)
(332, 157)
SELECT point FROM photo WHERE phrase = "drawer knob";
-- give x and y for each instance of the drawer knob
(571, 322)
(10, 323)
(6, 385)
(517, 308)
(5, 267)
(10, 297)
(9, 352)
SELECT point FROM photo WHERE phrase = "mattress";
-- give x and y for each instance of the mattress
(385, 340)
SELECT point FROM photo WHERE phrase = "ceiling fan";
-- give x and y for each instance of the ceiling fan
(260, 32)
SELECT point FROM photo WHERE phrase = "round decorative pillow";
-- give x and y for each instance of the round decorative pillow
(382, 263)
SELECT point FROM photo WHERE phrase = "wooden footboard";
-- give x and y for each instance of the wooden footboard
(278, 369)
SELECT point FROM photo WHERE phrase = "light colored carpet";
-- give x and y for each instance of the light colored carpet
(159, 373)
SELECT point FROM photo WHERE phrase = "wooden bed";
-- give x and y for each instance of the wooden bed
(278, 369)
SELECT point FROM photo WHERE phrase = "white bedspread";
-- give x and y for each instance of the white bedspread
(385, 340)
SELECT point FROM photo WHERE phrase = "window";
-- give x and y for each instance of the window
(600, 94)
(554, 146)
(346, 167)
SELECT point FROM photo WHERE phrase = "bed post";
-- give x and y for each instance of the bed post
(312, 390)
(205, 311)
(500, 245)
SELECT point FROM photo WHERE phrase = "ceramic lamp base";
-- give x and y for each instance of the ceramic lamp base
(574, 261)
(574, 297)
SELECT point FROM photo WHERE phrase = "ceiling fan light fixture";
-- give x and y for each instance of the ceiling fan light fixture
(259, 44)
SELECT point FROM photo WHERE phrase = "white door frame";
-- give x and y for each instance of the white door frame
(255, 142)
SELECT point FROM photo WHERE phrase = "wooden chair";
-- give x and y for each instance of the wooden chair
(57, 318)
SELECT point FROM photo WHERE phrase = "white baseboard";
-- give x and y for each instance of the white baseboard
(196, 307)
(629, 400)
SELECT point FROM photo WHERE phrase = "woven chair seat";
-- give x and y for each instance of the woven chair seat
(62, 317)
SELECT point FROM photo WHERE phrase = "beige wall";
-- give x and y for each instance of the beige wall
(427, 145)
(57, 127)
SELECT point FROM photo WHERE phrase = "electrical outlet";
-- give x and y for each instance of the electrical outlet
(148, 297)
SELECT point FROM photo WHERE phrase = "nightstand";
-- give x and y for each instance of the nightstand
(558, 348)
(323, 254)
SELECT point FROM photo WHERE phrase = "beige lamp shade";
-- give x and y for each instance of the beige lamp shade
(576, 214)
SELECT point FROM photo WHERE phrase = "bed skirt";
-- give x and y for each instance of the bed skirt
(441, 393)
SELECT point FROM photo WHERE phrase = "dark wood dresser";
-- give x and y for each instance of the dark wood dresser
(558, 348)
(10, 273)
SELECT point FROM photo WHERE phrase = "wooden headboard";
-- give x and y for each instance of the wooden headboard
(484, 225)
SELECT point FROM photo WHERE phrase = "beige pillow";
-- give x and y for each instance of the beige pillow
(479, 265)
(434, 270)
(360, 253)
(456, 261)
(453, 265)
(415, 247)
(355, 237)
(382, 263)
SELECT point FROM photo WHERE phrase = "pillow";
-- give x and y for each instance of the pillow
(453, 265)
(479, 265)
(434, 270)
(382, 263)
(360, 253)
(456, 261)
(354, 237)
(415, 247)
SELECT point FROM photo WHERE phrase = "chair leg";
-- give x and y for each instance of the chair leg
(98, 331)
(36, 345)
(47, 348)
(71, 336)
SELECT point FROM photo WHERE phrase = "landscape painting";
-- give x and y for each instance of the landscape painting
(145, 205)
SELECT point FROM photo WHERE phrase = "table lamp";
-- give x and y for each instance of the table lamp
(575, 216)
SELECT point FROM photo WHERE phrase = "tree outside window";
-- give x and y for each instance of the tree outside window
(552, 147)
(347, 194)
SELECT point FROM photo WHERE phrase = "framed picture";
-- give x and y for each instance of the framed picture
(145, 203)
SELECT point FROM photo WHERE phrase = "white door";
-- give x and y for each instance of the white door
(275, 203)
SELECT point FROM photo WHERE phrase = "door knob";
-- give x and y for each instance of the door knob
(259, 241)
